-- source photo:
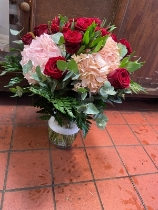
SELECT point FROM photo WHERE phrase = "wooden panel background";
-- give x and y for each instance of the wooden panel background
(137, 21)
(46, 10)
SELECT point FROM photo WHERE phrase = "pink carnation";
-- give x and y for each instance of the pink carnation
(39, 51)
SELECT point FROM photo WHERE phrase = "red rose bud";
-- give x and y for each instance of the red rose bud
(41, 29)
(126, 43)
(83, 23)
(114, 37)
(72, 41)
(51, 68)
(27, 39)
(55, 25)
(119, 78)
(104, 32)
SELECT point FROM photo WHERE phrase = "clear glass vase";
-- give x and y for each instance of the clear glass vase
(62, 137)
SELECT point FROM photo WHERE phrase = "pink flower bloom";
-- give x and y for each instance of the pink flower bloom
(39, 51)
(92, 71)
(110, 54)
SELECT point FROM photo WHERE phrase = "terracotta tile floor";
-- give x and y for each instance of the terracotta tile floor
(112, 169)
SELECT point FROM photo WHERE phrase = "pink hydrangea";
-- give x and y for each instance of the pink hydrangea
(39, 51)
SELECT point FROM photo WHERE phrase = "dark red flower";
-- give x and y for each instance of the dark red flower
(41, 29)
(27, 39)
(104, 32)
(72, 41)
(51, 68)
(126, 43)
(55, 25)
(83, 23)
(119, 78)
(114, 37)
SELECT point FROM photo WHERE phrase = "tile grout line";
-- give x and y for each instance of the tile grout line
(141, 142)
(74, 183)
(129, 176)
(52, 174)
(136, 190)
(94, 181)
(8, 158)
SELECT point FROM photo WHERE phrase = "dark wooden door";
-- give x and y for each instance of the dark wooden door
(137, 21)
(46, 10)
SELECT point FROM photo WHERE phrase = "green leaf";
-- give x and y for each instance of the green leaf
(76, 77)
(101, 120)
(122, 49)
(91, 30)
(72, 66)
(14, 32)
(19, 91)
(107, 84)
(18, 41)
(68, 75)
(85, 39)
(95, 41)
(27, 67)
(72, 25)
(81, 49)
(45, 117)
(62, 65)
(81, 90)
(136, 88)
(61, 40)
(56, 37)
(42, 77)
(91, 109)
(83, 95)
(97, 48)
(14, 81)
(133, 66)
(112, 27)
(103, 23)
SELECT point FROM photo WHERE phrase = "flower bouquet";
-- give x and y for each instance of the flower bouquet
(75, 66)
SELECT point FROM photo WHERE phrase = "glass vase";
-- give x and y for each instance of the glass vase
(62, 136)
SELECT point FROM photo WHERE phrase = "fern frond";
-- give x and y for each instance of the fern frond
(136, 88)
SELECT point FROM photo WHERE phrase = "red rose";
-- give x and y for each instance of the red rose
(83, 23)
(126, 43)
(55, 25)
(114, 37)
(119, 78)
(104, 32)
(51, 68)
(27, 39)
(41, 29)
(72, 41)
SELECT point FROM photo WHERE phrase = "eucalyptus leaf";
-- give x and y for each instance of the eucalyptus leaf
(14, 32)
(72, 66)
(68, 75)
(27, 67)
(91, 109)
(83, 95)
(18, 41)
(122, 49)
(101, 121)
(62, 65)
(56, 37)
